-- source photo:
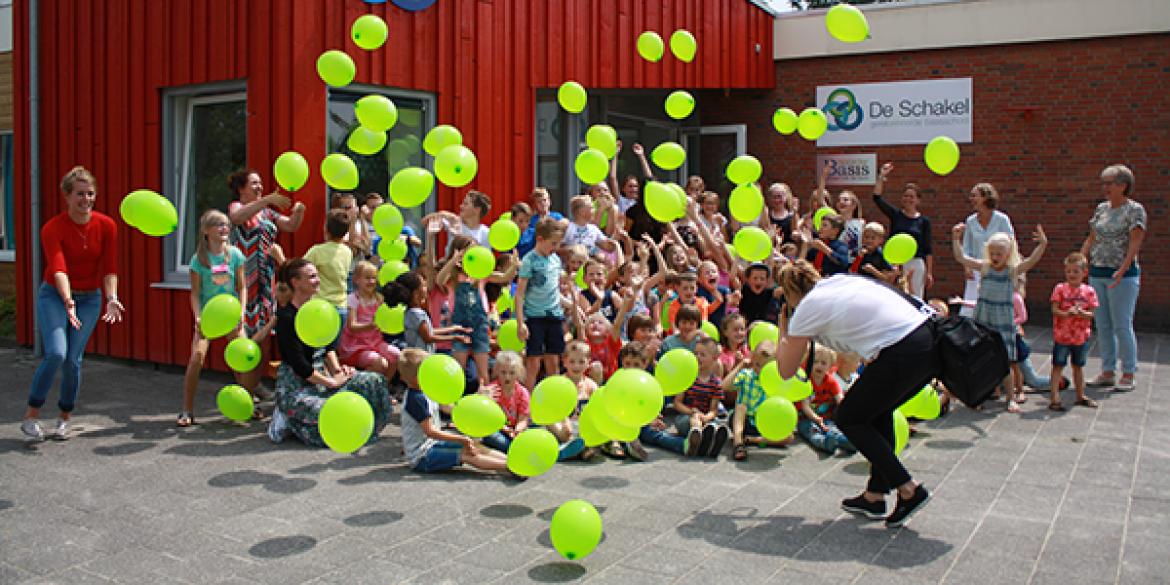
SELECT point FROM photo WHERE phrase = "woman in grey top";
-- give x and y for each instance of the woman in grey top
(1116, 231)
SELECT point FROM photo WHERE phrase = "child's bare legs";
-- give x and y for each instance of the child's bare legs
(737, 421)
(199, 346)
(486, 459)
(1055, 385)
(1078, 380)
(1009, 389)
(481, 367)
(461, 357)
(561, 430)
(1018, 383)
(596, 372)
(532, 366)
(552, 366)
(697, 421)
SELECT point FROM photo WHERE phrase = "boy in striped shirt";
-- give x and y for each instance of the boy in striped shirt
(699, 405)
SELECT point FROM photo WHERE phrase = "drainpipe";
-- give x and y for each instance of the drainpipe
(34, 163)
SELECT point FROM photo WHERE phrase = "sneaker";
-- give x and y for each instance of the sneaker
(32, 430)
(717, 443)
(1101, 380)
(571, 449)
(278, 426)
(906, 508)
(705, 442)
(1125, 384)
(636, 451)
(862, 507)
(61, 431)
(693, 441)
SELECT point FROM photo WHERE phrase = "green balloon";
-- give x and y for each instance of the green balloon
(553, 400)
(592, 167)
(508, 336)
(155, 216)
(411, 187)
(504, 302)
(819, 216)
(682, 44)
(770, 379)
(317, 323)
(603, 138)
(441, 137)
(132, 203)
(392, 249)
(369, 32)
(587, 427)
(606, 424)
(710, 330)
(900, 249)
(847, 24)
(365, 141)
(575, 530)
(680, 197)
(746, 203)
(242, 354)
(346, 422)
(676, 371)
(744, 169)
(478, 262)
(668, 155)
(477, 416)
(456, 165)
(533, 452)
(234, 402)
(291, 171)
(796, 388)
(220, 316)
(376, 112)
(661, 203)
(339, 172)
(784, 121)
(441, 378)
(776, 419)
(387, 221)
(923, 405)
(391, 270)
(579, 279)
(812, 124)
(633, 397)
(390, 320)
(752, 244)
(336, 68)
(942, 155)
(504, 235)
(761, 331)
(901, 432)
(651, 47)
(679, 104)
(572, 97)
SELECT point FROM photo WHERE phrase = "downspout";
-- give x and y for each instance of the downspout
(34, 164)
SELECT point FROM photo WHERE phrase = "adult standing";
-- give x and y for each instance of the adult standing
(986, 220)
(256, 226)
(308, 376)
(81, 262)
(864, 317)
(778, 212)
(909, 220)
(1116, 232)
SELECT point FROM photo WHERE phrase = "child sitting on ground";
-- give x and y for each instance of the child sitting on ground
(687, 322)
(361, 343)
(512, 398)
(688, 289)
(816, 412)
(699, 405)
(1073, 303)
(750, 395)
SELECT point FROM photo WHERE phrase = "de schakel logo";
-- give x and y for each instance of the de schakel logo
(842, 110)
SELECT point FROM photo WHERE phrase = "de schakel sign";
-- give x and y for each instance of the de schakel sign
(902, 112)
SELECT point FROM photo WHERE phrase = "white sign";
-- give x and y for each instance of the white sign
(849, 169)
(901, 112)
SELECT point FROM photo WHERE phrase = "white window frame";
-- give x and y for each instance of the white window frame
(9, 231)
(739, 130)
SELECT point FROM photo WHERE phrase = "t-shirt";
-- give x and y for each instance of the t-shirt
(606, 308)
(542, 297)
(729, 357)
(332, 260)
(676, 342)
(976, 236)
(1111, 229)
(1072, 330)
(412, 321)
(749, 392)
(824, 397)
(585, 235)
(585, 388)
(759, 307)
(86, 253)
(918, 227)
(514, 405)
(606, 352)
(830, 264)
(702, 392)
(855, 315)
(220, 278)
(715, 316)
(676, 303)
(418, 408)
(874, 258)
(440, 303)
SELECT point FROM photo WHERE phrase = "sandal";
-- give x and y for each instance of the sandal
(739, 452)
(184, 420)
(1021, 398)
(1056, 406)
(1013, 407)
(1086, 402)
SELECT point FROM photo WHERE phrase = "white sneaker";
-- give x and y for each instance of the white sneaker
(32, 430)
(61, 431)
(278, 426)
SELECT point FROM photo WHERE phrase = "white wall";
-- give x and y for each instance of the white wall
(927, 24)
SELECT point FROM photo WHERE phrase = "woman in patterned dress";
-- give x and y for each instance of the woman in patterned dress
(256, 225)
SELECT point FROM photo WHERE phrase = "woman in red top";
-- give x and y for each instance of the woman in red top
(81, 254)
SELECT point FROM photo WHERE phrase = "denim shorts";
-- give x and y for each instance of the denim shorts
(480, 342)
(441, 456)
(546, 336)
(1061, 353)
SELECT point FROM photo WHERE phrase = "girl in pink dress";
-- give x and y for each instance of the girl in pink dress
(362, 345)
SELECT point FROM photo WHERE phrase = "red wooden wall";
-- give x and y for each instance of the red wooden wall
(104, 64)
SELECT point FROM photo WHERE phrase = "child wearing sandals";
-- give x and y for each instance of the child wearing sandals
(1073, 303)
(750, 395)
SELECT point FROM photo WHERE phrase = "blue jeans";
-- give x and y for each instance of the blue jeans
(498, 441)
(829, 441)
(443, 455)
(1031, 378)
(63, 345)
(1114, 318)
(663, 439)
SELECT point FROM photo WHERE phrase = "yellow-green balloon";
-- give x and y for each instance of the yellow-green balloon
(942, 155)
(155, 216)
(392, 248)
(579, 279)
(679, 104)
(812, 124)
(346, 422)
(476, 415)
(680, 198)
(365, 141)
(504, 235)
(441, 137)
(819, 216)
(923, 405)
(746, 203)
(532, 452)
(710, 330)
(456, 165)
(605, 423)
(376, 112)
(682, 44)
(478, 262)
(220, 316)
(369, 32)
(602, 137)
(796, 388)
(572, 97)
(391, 270)
(504, 302)
(132, 203)
(661, 203)
(676, 371)
(242, 354)
(387, 221)
(592, 167)
(752, 244)
(411, 187)
(575, 530)
(633, 397)
(441, 378)
(776, 419)
(234, 402)
(651, 47)
(336, 68)
(587, 426)
(668, 155)
(508, 337)
(761, 331)
(770, 379)
(744, 169)
(900, 249)
(784, 121)
(901, 432)
(553, 400)
(390, 320)
(847, 24)
(317, 323)
(339, 172)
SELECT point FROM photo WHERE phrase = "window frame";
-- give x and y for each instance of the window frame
(9, 231)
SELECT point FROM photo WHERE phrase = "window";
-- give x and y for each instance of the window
(5, 25)
(7, 233)
(204, 140)
(403, 141)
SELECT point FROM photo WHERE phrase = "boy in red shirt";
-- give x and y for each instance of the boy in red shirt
(1073, 303)
(816, 412)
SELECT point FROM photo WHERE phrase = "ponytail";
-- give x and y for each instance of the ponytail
(400, 291)
(291, 270)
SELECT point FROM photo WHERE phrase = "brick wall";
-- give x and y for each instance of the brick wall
(6, 91)
(1099, 101)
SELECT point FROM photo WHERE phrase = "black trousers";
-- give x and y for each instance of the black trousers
(866, 414)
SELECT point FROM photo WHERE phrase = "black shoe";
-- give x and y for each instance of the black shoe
(907, 508)
(863, 507)
(694, 442)
(705, 441)
(721, 436)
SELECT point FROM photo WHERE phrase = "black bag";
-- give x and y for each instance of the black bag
(974, 359)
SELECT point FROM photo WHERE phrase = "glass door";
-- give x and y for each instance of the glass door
(709, 150)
